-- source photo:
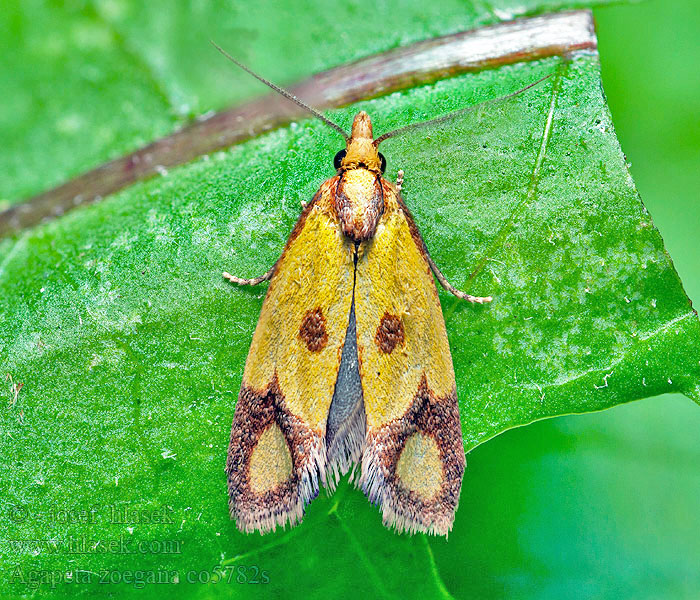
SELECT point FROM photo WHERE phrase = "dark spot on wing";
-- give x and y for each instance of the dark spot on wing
(313, 330)
(389, 333)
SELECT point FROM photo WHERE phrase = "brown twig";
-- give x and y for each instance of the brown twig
(423, 62)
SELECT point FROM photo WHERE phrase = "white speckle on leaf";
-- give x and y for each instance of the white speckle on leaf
(96, 360)
(124, 241)
(159, 227)
(168, 454)
(69, 124)
(605, 382)
(540, 391)
(174, 365)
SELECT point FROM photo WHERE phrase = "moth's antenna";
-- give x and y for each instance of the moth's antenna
(281, 91)
(454, 114)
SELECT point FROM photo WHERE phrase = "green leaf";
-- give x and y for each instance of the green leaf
(531, 201)
(130, 347)
(580, 507)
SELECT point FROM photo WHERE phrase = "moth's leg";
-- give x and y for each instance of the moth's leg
(304, 203)
(254, 281)
(446, 284)
(399, 180)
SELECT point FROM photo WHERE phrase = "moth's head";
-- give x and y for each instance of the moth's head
(360, 149)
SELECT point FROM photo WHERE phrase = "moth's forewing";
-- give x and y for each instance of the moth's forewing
(413, 459)
(277, 456)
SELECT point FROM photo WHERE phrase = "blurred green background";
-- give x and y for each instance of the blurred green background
(606, 505)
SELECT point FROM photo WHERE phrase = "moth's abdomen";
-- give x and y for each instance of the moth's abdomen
(359, 203)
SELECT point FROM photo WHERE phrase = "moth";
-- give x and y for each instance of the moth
(349, 366)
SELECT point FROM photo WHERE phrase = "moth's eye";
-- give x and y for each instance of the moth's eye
(381, 157)
(338, 159)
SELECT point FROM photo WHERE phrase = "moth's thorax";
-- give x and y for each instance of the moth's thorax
(359, 203)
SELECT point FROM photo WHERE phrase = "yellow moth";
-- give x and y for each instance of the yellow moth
(349, 366)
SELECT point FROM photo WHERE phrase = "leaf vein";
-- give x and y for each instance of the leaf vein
(16, 247)
(434, 570)
(534, 178)
(367, 563)
(137, 59)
